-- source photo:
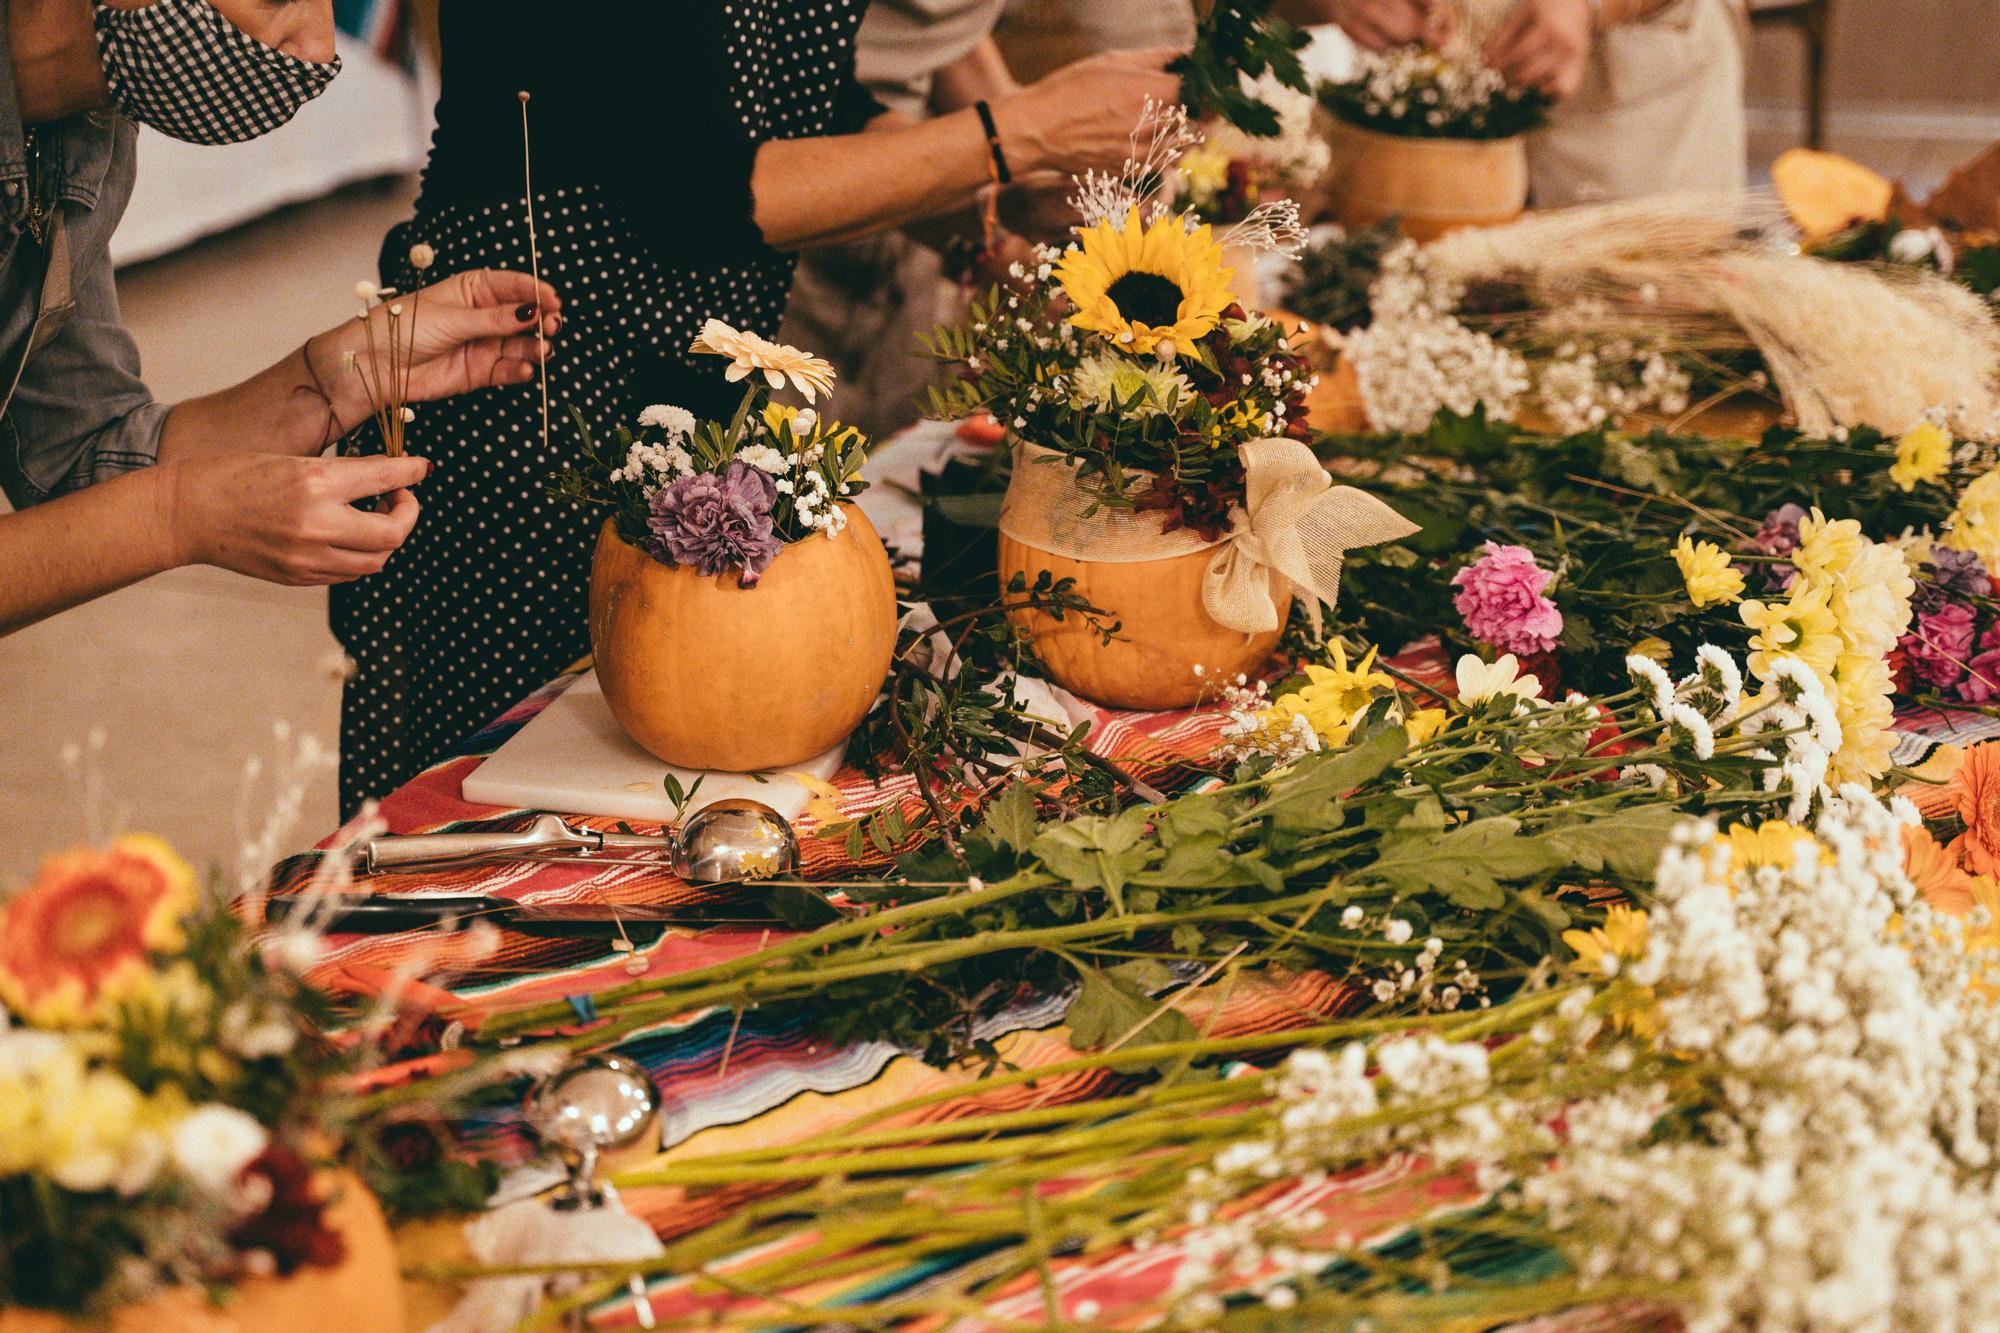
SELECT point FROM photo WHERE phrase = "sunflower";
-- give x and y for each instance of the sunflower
(79, 936)
(1158, 288)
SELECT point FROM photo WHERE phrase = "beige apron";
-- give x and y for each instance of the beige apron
(1660, 111)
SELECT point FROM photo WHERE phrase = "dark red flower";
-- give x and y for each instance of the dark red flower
(291, 1227)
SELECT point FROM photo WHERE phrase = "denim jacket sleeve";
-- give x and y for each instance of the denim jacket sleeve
(79, 412)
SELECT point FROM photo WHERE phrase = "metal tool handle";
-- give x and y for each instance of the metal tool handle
(432, 851)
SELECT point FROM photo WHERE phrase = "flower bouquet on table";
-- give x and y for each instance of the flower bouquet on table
(1430, 136)
(1159, 466)
(167, 1141)
(1860, 561)
(731, 545)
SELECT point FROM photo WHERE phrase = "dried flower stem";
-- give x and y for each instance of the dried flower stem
(534, 254)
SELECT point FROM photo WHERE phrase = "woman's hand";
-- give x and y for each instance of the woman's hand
(473, 330)
(290, 520)
(1081, 117)
(1543, 44)
(1380, 24)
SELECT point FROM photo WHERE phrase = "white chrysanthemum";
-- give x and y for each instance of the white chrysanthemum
(212, 1144)
(675, 421)
(1144, 388)
(1653, 678)
(1691, 729)
(764, 458)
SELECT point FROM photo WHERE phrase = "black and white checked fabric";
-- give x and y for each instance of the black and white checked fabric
(184, 69)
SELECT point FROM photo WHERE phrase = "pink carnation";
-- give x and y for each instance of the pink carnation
(1500, 597)
(1942, 643)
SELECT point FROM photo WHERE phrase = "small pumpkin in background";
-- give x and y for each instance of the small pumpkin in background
(1825, 193)
(707, 674)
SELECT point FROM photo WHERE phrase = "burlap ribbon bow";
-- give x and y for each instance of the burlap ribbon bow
(1294, 524)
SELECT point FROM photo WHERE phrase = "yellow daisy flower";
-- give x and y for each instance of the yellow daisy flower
(1332, 697)
(1148, 289)
(1922, 454)
(1768, 844)
(1603, 951)
(1425, 724)
(1706, 569)
(1801, 626)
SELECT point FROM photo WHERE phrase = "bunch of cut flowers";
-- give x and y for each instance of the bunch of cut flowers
(725, 497)
(1862, 556)
(169, 1101)
(1747, 1093)
(1225, 177)
(1433, 92)
(1125, 351)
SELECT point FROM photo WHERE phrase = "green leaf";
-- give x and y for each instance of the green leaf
(799, 907)
(1011, 817)
(1308, 797)
(1466, 865)
(1627, 843)
(1108, 1007)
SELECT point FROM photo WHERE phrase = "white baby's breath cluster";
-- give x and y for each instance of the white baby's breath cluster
(1803, 1135)
(1158, 142)
(1447, 83)
(1416, 357)
(1584, 387)
(1843, 1177)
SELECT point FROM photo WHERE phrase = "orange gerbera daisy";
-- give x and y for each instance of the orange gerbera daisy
(1978, 848)
(78, 937)
(1935, 871)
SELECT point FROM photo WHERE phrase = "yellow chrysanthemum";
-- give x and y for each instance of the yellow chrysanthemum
(1922, 454)
(1975, 525)
(78, 937)
(1425, 724)
(1707, 572)
(1332, 697)
(1828, 547)
(1205, 168)
(1863, 690)
(1801, 626)
(1769, 844)
(1148, 289)
(1603, 951)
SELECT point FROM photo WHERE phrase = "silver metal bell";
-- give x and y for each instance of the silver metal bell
(732, 840)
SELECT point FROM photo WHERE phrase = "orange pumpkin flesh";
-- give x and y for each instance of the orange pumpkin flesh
(705, 674)
(363, 1291)
(1165, 631)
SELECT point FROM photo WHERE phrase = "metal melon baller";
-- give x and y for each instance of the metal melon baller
(724, 843)
(721, 843)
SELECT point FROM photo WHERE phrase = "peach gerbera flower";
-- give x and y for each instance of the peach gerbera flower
(1978, 848)
(1936, 872)
(79, 936)
(748, 353)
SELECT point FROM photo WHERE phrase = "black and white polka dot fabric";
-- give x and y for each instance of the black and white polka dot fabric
(488, 598)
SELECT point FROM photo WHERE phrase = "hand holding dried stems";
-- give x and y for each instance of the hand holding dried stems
(479, 329)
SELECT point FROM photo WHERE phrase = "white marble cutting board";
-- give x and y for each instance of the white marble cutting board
(572, 758)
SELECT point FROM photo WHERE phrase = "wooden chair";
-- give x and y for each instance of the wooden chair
(1810, 18)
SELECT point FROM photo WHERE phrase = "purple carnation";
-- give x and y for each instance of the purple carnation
(1948, 575)
(717, 524)
(1500, 597)
(1778, 535)
(1941, 645)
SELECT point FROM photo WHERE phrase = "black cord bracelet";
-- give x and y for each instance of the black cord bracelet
(999, 159)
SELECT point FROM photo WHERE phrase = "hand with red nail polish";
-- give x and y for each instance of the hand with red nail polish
(473, 330)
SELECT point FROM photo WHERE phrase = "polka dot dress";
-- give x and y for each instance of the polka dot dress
(488, 598)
